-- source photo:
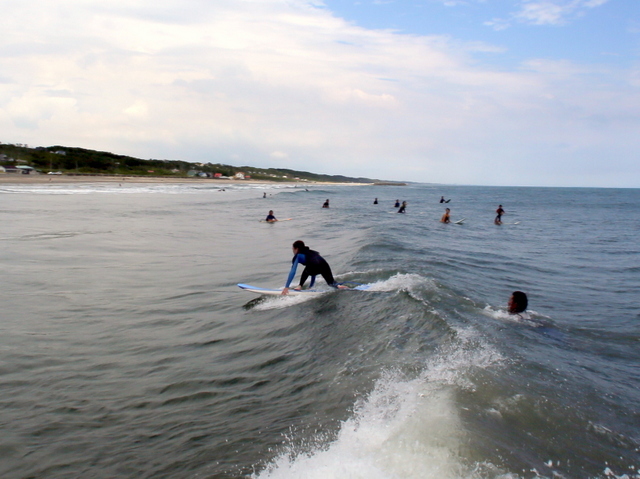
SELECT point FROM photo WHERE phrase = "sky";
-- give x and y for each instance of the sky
(481, 92)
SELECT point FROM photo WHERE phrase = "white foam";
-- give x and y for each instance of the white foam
(281, 302)
(403, 282)
(403, 429)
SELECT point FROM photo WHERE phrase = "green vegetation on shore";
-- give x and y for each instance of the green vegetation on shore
(80, 161)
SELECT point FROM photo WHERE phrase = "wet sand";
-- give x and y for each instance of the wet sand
(62, 179)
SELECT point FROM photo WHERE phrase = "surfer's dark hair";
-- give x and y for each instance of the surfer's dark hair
(299, 245)
(520, 300)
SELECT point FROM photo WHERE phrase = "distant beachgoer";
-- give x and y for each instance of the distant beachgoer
(271, 218)
(375, 202)
(264, 195)
(518, 303)
(446, 218)
(326, 204)
(314, 265)
(499, 213)
(403, 207)
(442, 199)
(397, 205)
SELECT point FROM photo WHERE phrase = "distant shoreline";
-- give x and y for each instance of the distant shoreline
(12, 178)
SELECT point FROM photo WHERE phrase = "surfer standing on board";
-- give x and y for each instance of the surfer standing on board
(314, 265)
(446, 218)
(271, 218)
(499, 213)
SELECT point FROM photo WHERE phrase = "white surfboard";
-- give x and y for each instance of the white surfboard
(293, 292)
(459, 222)
(276, 221)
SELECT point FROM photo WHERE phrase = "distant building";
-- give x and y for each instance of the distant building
(239, 176)
(25, 170)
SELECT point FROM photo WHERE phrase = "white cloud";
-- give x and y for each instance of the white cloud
(546, 12)
(283, 83)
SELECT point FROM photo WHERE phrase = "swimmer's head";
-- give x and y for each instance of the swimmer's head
(518, 302)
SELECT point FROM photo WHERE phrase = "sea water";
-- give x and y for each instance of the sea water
(126, 349)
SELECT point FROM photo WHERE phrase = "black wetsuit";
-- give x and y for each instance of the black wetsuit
(314, 265)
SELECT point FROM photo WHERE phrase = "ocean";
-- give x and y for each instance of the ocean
(128, 351)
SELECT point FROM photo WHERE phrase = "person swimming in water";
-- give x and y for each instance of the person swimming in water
(403, 207)
(271, 218)
(326, 204)
(375, 202)
(446, 218)
(517, 305)
(314, 265)
(499, 213)
(397, 205)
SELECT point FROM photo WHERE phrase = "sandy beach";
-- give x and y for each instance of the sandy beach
(10, 178)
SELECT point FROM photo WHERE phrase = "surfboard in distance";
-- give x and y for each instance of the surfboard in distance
(293, 292)
(459, 222)
(265, 221)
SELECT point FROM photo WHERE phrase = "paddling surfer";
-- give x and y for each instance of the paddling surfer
(271, 218)
(314, 265)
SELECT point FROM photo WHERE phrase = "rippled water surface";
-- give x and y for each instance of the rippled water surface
(127, 350)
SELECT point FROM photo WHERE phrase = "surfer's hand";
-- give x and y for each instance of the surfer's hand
(285, 291)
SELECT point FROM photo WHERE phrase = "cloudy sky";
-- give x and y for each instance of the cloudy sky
(491, 92)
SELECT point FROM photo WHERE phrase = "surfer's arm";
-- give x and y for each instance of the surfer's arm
(292, 274)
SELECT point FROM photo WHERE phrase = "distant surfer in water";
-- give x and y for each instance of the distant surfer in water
(517, 305)
(326, 204)
(375, 202)
(397, 205)
(403, 207)
(446, 217)
(314, 265)
(442, 200)
(271, 218)
(499, 213)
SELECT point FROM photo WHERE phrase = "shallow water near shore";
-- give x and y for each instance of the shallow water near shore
(127, 350)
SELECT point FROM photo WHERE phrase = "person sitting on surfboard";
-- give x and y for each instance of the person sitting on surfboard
(517, 305)
(446, 218)
(271, 218)
(314, 265)
(326, 204)
(499, 212)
